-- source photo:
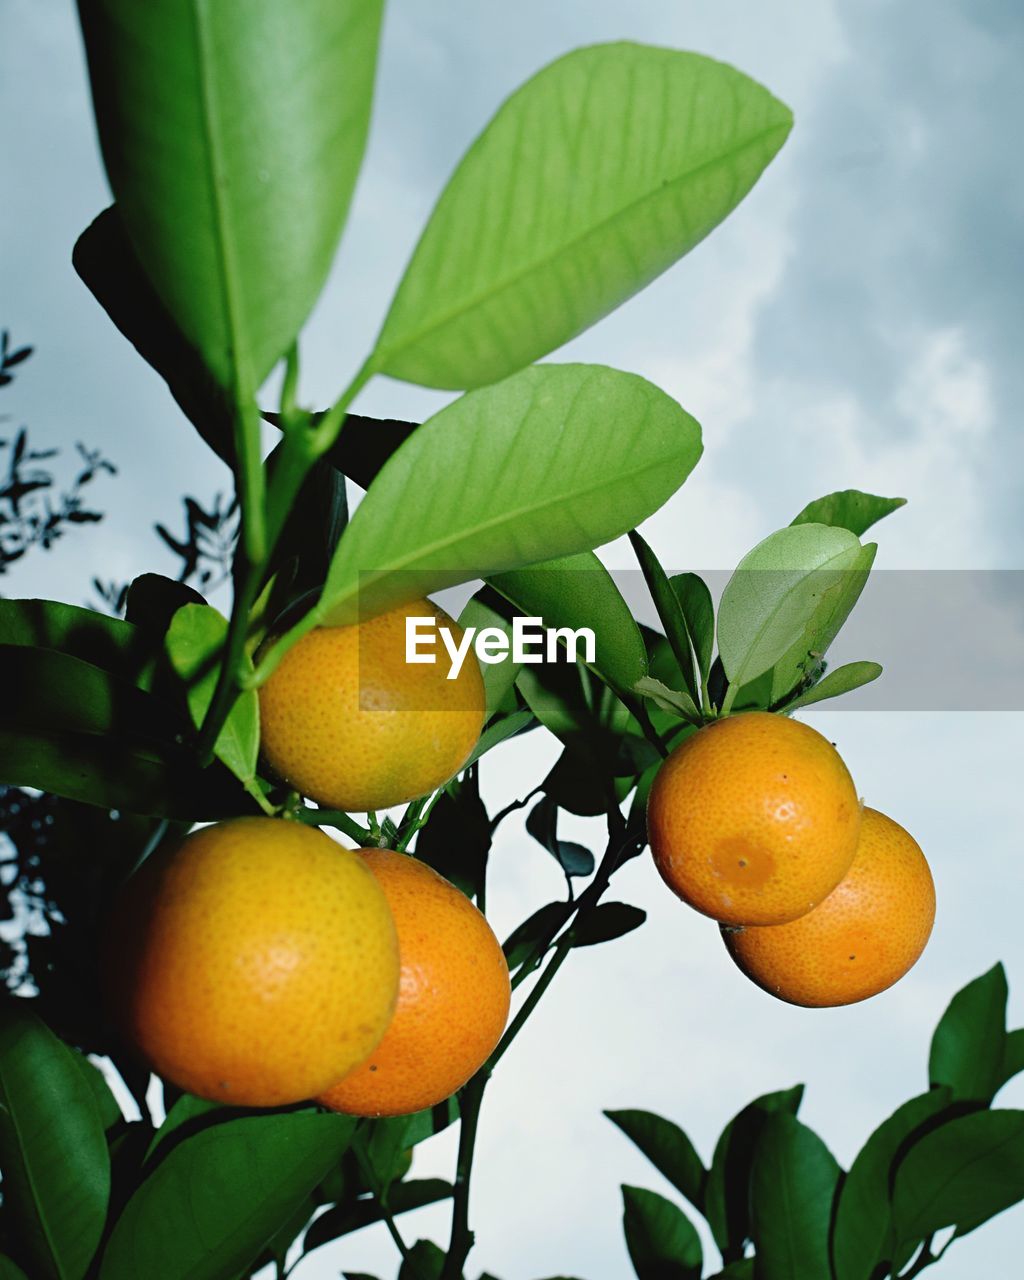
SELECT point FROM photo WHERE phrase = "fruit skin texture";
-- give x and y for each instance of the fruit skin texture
(349, 723)
(865, 936)
(453, 1001)
(253, 964)
(753, 819)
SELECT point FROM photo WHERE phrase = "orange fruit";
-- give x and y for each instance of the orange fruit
(753, 819)
(869, 931)
(255, 963)
(348, 722)
(453, 998)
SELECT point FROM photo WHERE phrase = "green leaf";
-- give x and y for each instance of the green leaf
(186, 1111)
(500, 731)
(792, 1193)
(457, 837)
(499, 677)
(969, 1045)
(961, 1174)
(75, 730)
(662, 1241)
(195, 643)
(675, 701)
(434, 1120)
(556, 460)
(211, 125)
(219, 1197)
(536, 933)
(353, 1215)
(668, 1149)
(578, 591)
(590, 181)
(699, 616)
(861, 1234)
(106, 1103)
(10, 1270)
(1013, 1055)
(781, 596)
(380, 1148)
(542, 824)
(607, 921)
(669, 611)
(107, 643)
(842, 680)
(53, 1151)
(849, 509)
(727, 1193)
(425, 1262)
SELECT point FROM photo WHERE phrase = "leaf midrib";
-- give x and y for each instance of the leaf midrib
(428, 549)
(383, 354)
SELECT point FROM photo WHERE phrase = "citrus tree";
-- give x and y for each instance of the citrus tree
(313, 1012)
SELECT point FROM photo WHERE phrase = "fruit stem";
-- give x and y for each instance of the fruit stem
(334, 818)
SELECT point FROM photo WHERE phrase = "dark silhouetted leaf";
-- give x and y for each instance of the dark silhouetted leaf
(607, 921)
(668, 1149)
(969, 1045)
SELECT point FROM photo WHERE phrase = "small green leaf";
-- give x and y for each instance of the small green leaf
(503, 728)
(969, 1045)
(662, 1241)
(590, 181)
(555, 460)
(195, 643)
(380, 1147)
(1013, 1055)
(782, 595)
(578, 591)
(607, 921)
(675, 701)
(669, 611)
(699, 616)
(542, 824)
(209, 126)
(727, 1193)
(457, 837)
(842, 680)
(792, 1193)
(425, 1262)
(110, 1111)
(353, 1215)
(849, 509)
(962, 1173)
(535, 933)
(210, 1208)
(668, 1149)
(53, 1151)
(186, 1111)
(861, 1234)
(425, 1124)
(10, 1270)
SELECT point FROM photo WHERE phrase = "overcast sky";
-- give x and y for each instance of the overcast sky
(857, 323)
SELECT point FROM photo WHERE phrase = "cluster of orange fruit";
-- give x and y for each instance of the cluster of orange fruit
(755, 822)
(259, 963)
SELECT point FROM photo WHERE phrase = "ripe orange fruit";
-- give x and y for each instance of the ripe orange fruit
(864, 937)
(255, 963)
(753, 819)
(453, 999)
(349, 723)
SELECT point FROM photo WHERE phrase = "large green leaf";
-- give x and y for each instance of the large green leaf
(578, 591)
(232, 138)
(668, 1149)
(195, 644)
(107, 643)
(210, 1207)
(69, 727)
(782, 595)
(861, 1232)
(662, 1241)
(727, 1192)
(53, 1151)
(590, 181)
(849, 509)
(961, 1174)
(792, 1192)
(968, 1047)
(555, 460)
